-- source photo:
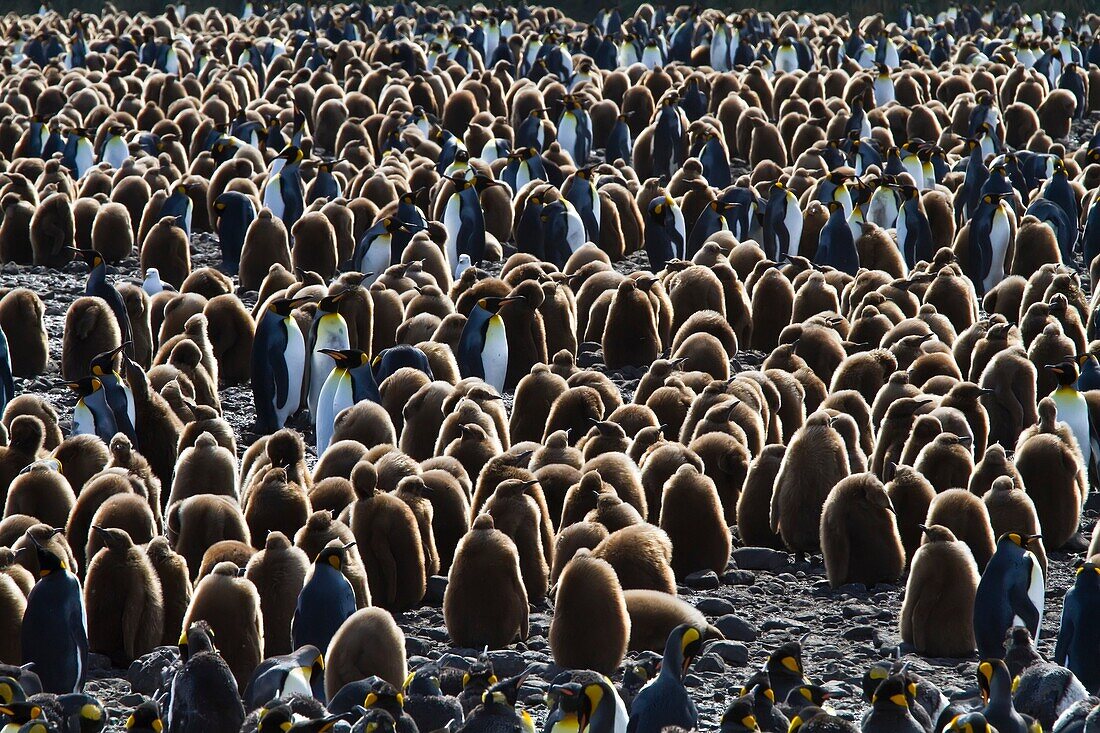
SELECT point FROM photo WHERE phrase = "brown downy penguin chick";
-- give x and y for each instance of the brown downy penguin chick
(638, 343)
(613, 513)
(653, 616)
(641, 555)
(22, 318)
(1012, 510)
(314, 247)
(53, 231)
(41, 491)
(123, 599)
(13, 604)
(413, 491)
(388, 540)
(967, 518)
(911, 495)
(422, 416)
(532, 403)
(278, 571)
(26, 435)
(338, 460)
(175, 585)
(450, 513)
(15, 230)
(128, 512)
(157, 427)
(691, 515)
(232, 331)
(966, 397)
(485, 604)
(859, 534)
(319, 532)
(604, 437)
(166, 248)
(946, 462)
(1052, 472)
(231, 605)
(590, 628)
(814, 463)
(234, 551)
(123, 455)
(1012, 403)
(582, 534)
(206, 468)
(112, 233)
(369, 643)
(90, 329)
(199, 522)
(994, 463)
(14, 571)
(275, 503)
(266, 243)
(772, 305)
(937, 613)
(754, 503)
(517, 514)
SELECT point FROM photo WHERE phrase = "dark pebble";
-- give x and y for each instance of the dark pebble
(507, 663)
(702, 580)
(732, 652)
(415, 647)
(710, 662)
(859, 633)
(736, 628)
(738, 577)
(433, 594)
(715, 606)
(761, 558)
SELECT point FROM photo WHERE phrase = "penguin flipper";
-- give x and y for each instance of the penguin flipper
(1022, 606)
(280, 372)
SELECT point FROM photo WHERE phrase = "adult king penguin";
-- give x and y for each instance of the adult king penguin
(575, 131)
(328, 331)
(55, 628)
(782, 223)
(1010, 593)
(483, 345)
(990, 232)
(325, 602)
(278, 365)
(91, 413)
(1073, 410)
(464, 220)
(283, 193)
(99, 287)
(351, 381)
(665, 701)
(1078, 634)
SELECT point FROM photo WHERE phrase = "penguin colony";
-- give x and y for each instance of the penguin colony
(845, 263)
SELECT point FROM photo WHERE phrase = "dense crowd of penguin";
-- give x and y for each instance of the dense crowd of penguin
(463, 231)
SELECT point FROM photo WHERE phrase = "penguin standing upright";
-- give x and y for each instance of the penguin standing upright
(665, 701)
(179, 205)
(782, 224)
(377, 249)
(99, 287)
(325, 601)
(7, 382)
(836, 247)
(283, 193)
(585, 198)
(990, 235)
(328, 330)
(664, 240)
(278, 365)
(351, 381)
(91, 413)
(575, 131)
(1010, 593)
(118, 395)
(668, 135)
(483, 345)
(1073, 410)
(235, 211)
(55, 627)
(1078, 633)
(114, 151)
(464, 220)
(914, 230)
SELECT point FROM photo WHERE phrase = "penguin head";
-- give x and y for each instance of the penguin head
(292, 154)
(804, 716)
(506, 692)
(334, 555)
(284, 306)
(874, 676)
(309, 658)
(492, 304)
(90, 256)
(104, 364)
(383, 695)
(376, 720)
(10, 689)
(786, 660)
(113, 538)
(50, 559)
(424, 681)
(1017, 539)
(278, 718)
(22, 712)
(969, 723)
(740, 714)
(993, 678)
(196, 638)
(891, 693)
(1066, 372)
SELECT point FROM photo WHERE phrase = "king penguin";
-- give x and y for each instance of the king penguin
(1078, 633)
(782, 223)
(114, 151)
(283, 193)
(55, 627)
(1073, 410)
(483, 345)
(351, 381)
(118, 395)
(913, 228)
(376, 249)
(325, 601)
(328, 331)
(990, 232)
(278, 365)
(99, 287)
(91, 413)
(235, 212)
(836, 246)
(665, 701)
(575, 131)
(464, 220)
(179, 205)
(1011, 593)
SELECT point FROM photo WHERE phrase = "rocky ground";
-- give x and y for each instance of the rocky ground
(763, 599)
